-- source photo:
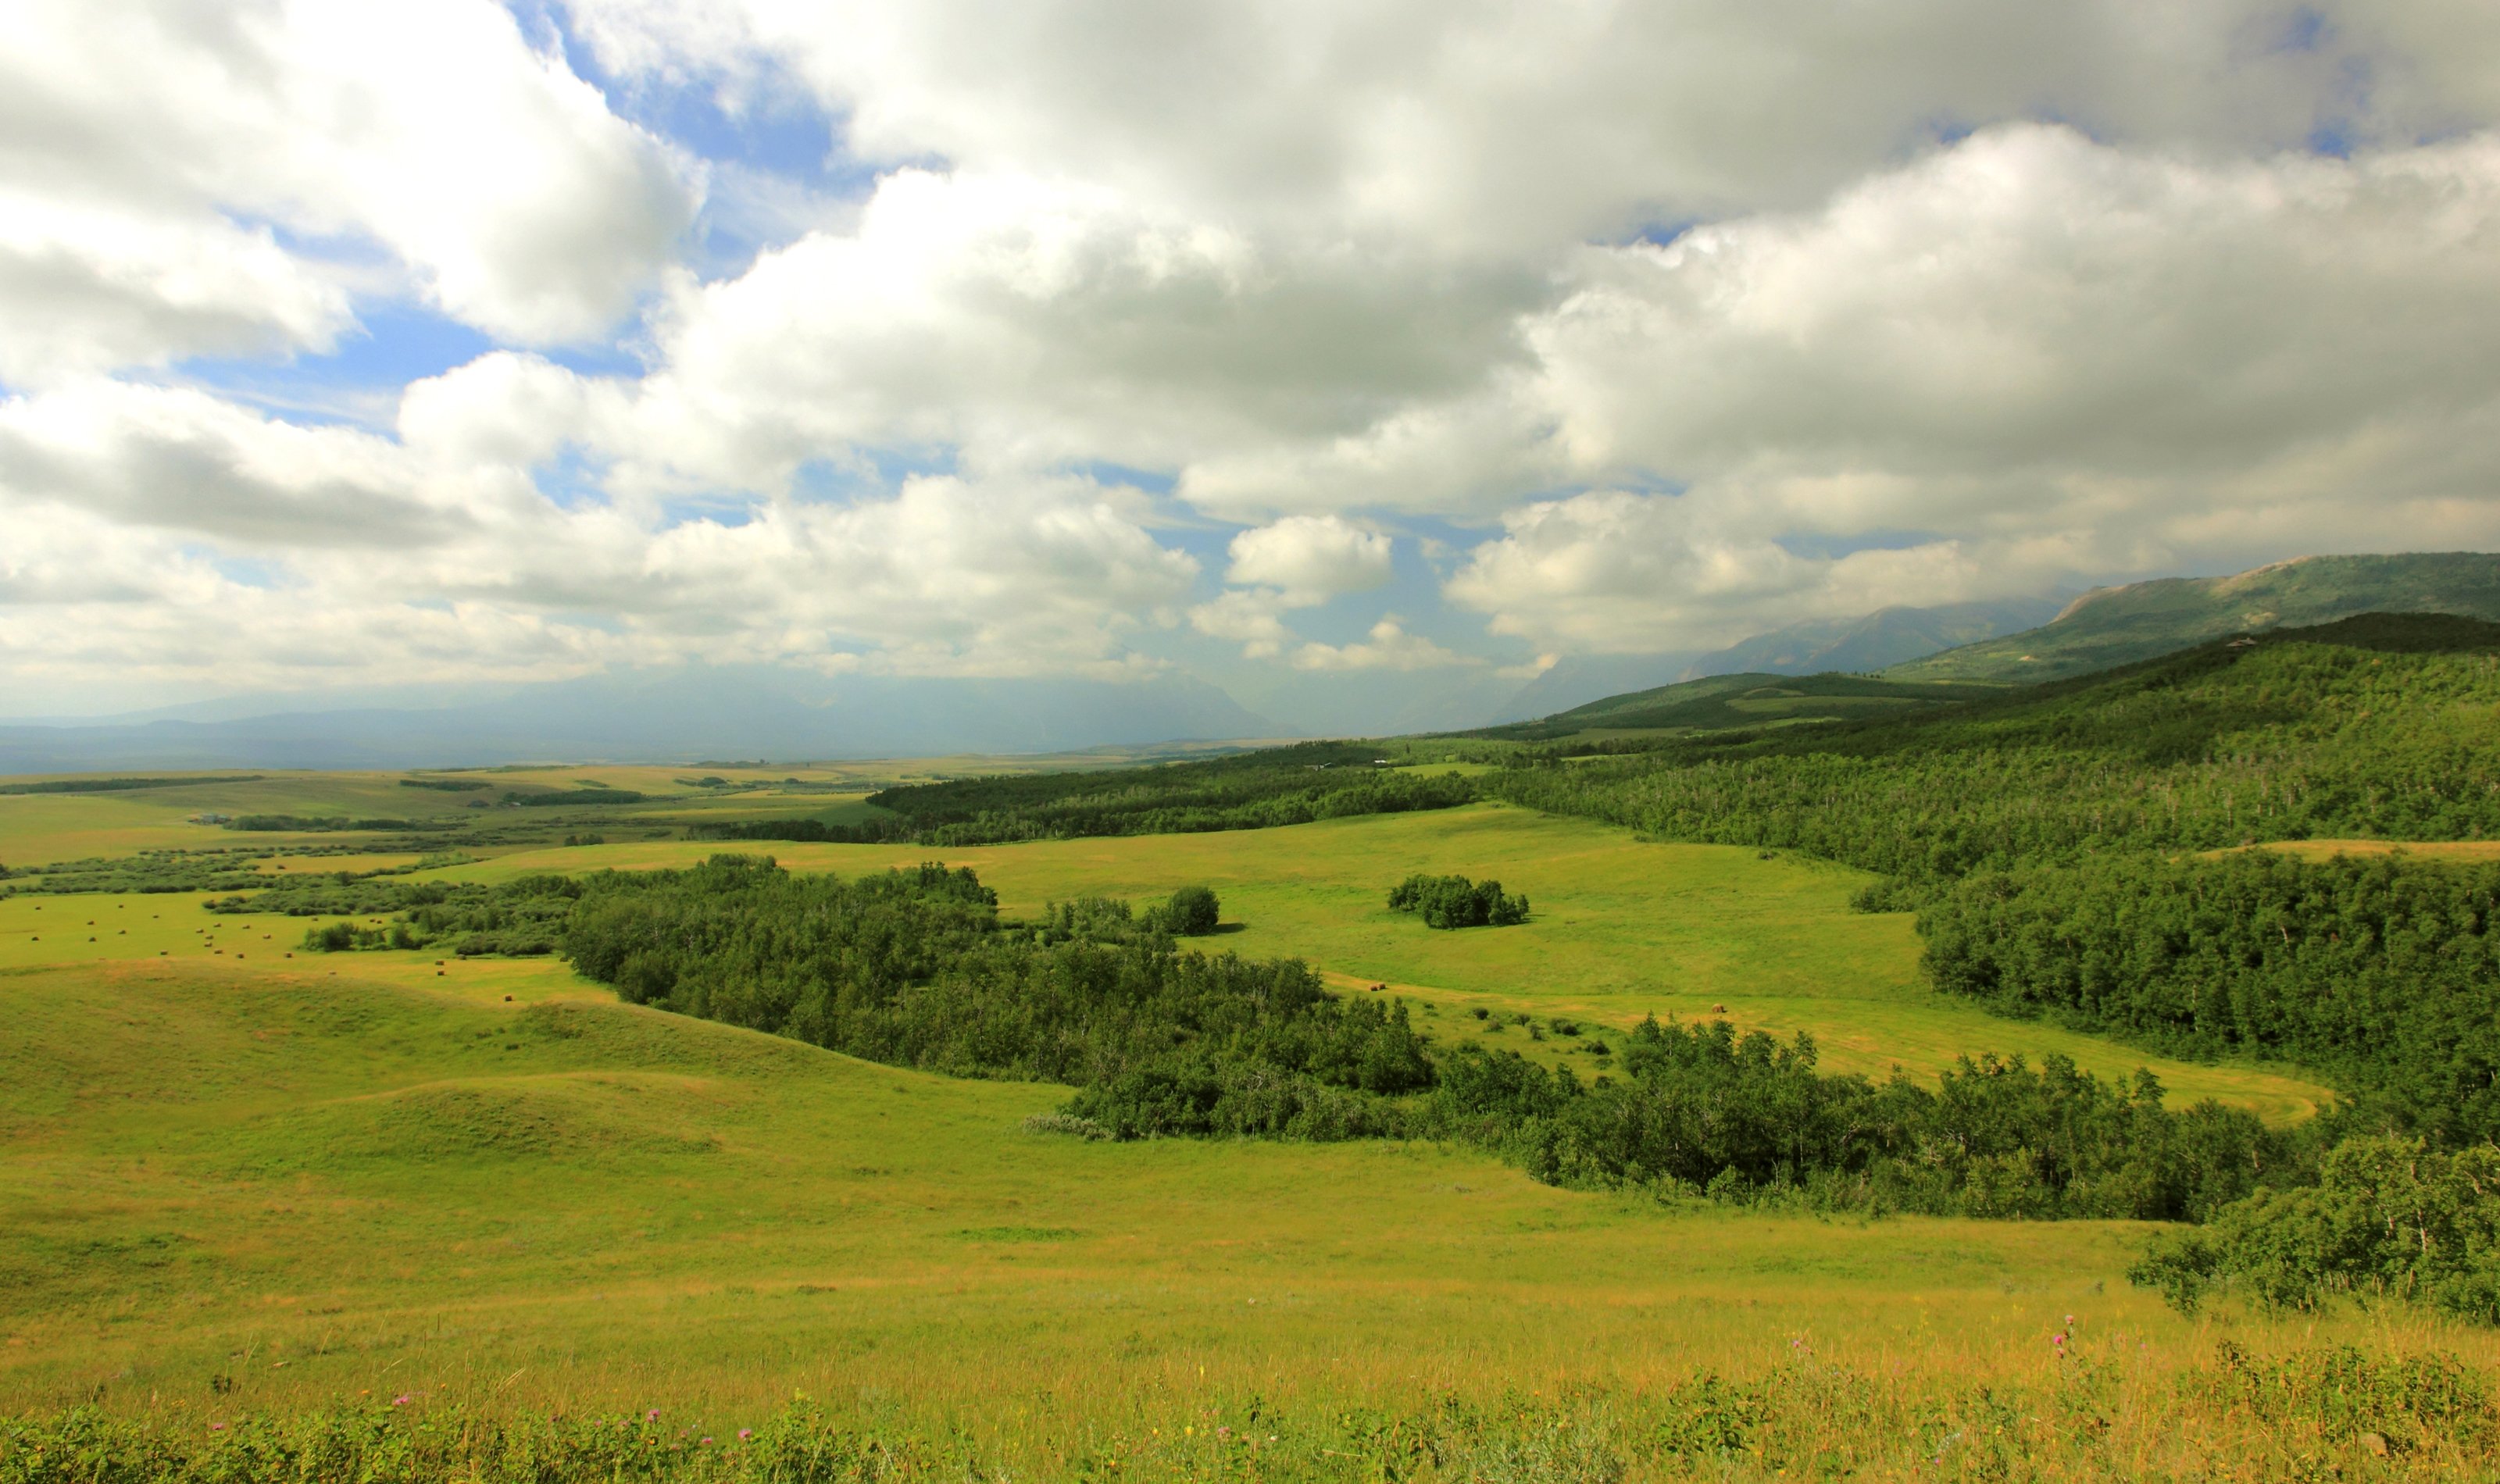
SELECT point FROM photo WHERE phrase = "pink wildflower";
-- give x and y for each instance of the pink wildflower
(743, 1434)
(400, 1401)
(653, 1415)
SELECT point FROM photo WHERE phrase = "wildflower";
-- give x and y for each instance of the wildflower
(703, 1443)
(400, 1401)
(743, 1434)
(217, 1427)
(653, 1415)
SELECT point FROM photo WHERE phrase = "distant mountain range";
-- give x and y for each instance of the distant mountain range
(665, 716)
(1748, 701)
(1884, 637)
(2141, 621)
(1989, 642)
(1811, 647)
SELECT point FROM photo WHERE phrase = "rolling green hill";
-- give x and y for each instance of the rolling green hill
(2141, 621)
(1726, 703)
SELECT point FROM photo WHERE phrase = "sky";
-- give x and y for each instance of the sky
(1323, 351)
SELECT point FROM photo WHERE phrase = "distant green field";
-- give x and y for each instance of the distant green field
(1623, 928)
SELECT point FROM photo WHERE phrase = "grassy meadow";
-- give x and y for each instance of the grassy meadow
(243, 1182)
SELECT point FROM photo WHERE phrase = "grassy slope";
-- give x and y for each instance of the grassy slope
(2120, 626)
(324, 1186)
(1722, 702)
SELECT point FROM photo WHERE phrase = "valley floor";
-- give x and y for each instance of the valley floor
(239, 1180)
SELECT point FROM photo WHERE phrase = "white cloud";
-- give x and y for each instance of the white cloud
(1030, 323)
(1491, 126)
(159, 526)
(2041, 359)
(510, 408)
(1310, 558)
(1322, 267)
(148, 149)
(1251, 618)
(1389, 647)
(87, 287)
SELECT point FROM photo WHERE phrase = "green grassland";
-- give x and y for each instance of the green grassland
(318, 1186)
(239, 1180)
(1623, 928)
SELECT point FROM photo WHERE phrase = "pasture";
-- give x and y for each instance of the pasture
(240, 1180)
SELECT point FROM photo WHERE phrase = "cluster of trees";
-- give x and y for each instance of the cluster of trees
(2382, 973)
(521, 917)
(916, 968)
(262, 822)
(1746, 1118)
(1250, 791)
(1454, 901)
(119, 784)
(2388, 1217)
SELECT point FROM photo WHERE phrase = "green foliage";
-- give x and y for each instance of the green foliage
(446, 784)
(1729, 702)
(915, 968)
(297, 822)
(2381, 972)
(1193, 912)
(2388, 1218)
(2375, 726)
(567, 797)
(1454, 901)
(124, 784)
(1747, 1118)
(2405, 1402)
(519, 919)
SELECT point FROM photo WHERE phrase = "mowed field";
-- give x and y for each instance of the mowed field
(238, 1179)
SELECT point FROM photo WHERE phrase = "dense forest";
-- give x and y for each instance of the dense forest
(1249, 790)
(2377, 726)
(2382, 973)
(917, 968)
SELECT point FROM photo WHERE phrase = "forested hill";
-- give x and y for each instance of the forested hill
(2378, 725)
(1723, 702)
(2145, 620)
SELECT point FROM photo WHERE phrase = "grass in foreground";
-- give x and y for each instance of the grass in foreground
(234, 1190)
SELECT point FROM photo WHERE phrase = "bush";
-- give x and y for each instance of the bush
(1191, 912)
(2388, 1218)
(1454, 901)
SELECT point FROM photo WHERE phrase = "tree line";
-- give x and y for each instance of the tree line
(917, 968)
(1252, 790)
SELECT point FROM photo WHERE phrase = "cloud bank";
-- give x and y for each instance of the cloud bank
(355, 342)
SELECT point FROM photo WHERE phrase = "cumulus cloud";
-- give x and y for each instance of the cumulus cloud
(1494, 126)
(1677, 321)
(1311, 558)
(153, 522)
(1388, 647)
(147, 153)
(1028, 322)
(2026, 360)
